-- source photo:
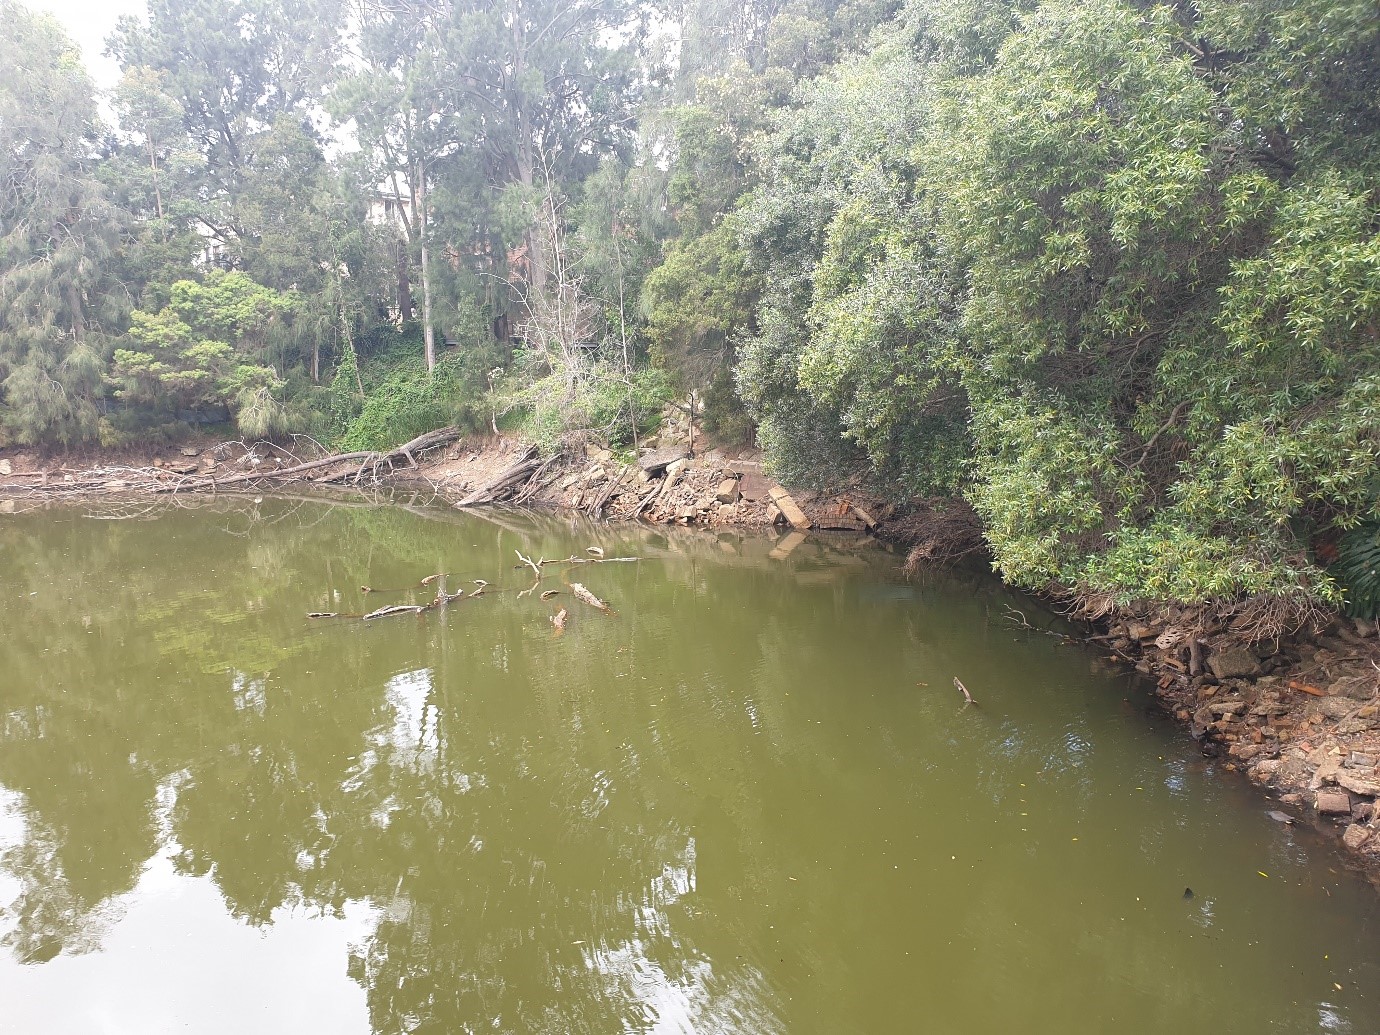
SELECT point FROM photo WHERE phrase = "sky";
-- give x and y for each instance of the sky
(89, 22)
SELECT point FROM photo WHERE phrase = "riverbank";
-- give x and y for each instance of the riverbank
(1296, 710)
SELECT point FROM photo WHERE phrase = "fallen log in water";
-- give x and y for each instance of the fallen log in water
(589, 598)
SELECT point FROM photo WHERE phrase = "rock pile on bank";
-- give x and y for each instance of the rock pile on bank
(664, 485)
(1300, 714)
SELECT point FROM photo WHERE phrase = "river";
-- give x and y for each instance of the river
(749, 800)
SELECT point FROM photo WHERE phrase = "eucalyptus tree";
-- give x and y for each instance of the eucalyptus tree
(247, 77)
(58, 231)
(391, 94)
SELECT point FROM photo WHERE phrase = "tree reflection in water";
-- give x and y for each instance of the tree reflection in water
(517, 880)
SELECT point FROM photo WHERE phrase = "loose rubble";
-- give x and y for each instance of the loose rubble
(1298, 713)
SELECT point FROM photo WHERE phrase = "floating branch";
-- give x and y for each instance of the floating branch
(534, 565)
(396, 609)
(967, 697)
(558, 620)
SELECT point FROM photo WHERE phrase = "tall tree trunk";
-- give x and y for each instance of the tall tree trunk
(404, 282)
(428, 335)
(536, 233)
(157, 192)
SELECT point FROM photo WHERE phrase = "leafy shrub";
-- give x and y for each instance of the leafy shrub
(407, 402)
(1358, 570)
(600, 400)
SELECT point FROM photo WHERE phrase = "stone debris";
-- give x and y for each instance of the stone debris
(1333, 803)
(1298, 711)
(788, 506)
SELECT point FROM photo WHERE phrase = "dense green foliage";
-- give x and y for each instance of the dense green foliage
(1108, 269)
(1111, 270)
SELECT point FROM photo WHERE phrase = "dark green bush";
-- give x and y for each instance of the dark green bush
(1358, 570)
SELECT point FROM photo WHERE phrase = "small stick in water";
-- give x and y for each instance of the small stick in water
(964, 690)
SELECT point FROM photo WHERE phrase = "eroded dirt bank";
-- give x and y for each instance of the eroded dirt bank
(1297, 710)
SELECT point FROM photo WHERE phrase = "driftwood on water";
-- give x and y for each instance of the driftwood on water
(967, 697)
(585, 596)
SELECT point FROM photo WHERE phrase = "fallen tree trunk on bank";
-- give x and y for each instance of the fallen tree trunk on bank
(366, 458)
(507, 481)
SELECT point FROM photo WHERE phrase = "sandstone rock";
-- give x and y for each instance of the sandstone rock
(727, 512)
(1331, 707)
(5, 468)
(1264, 770)
(1358, 688)
(1355, 837)
(660, 459)
(1364, 627)
(1324, 776)
(675, 467)
(1170, 638)
(789, 507)
(1333, 803)
(1356, 785)
(1361, 760)
(189, 451)
(728, 491)
(1233, 663)
(754, 486)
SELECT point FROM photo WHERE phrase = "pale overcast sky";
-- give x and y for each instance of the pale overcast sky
(89, 22)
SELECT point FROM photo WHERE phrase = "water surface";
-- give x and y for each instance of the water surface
(749, 801)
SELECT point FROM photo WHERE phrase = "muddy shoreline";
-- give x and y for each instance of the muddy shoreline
(1297, 711)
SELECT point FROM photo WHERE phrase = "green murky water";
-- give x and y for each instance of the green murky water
(748, 802)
